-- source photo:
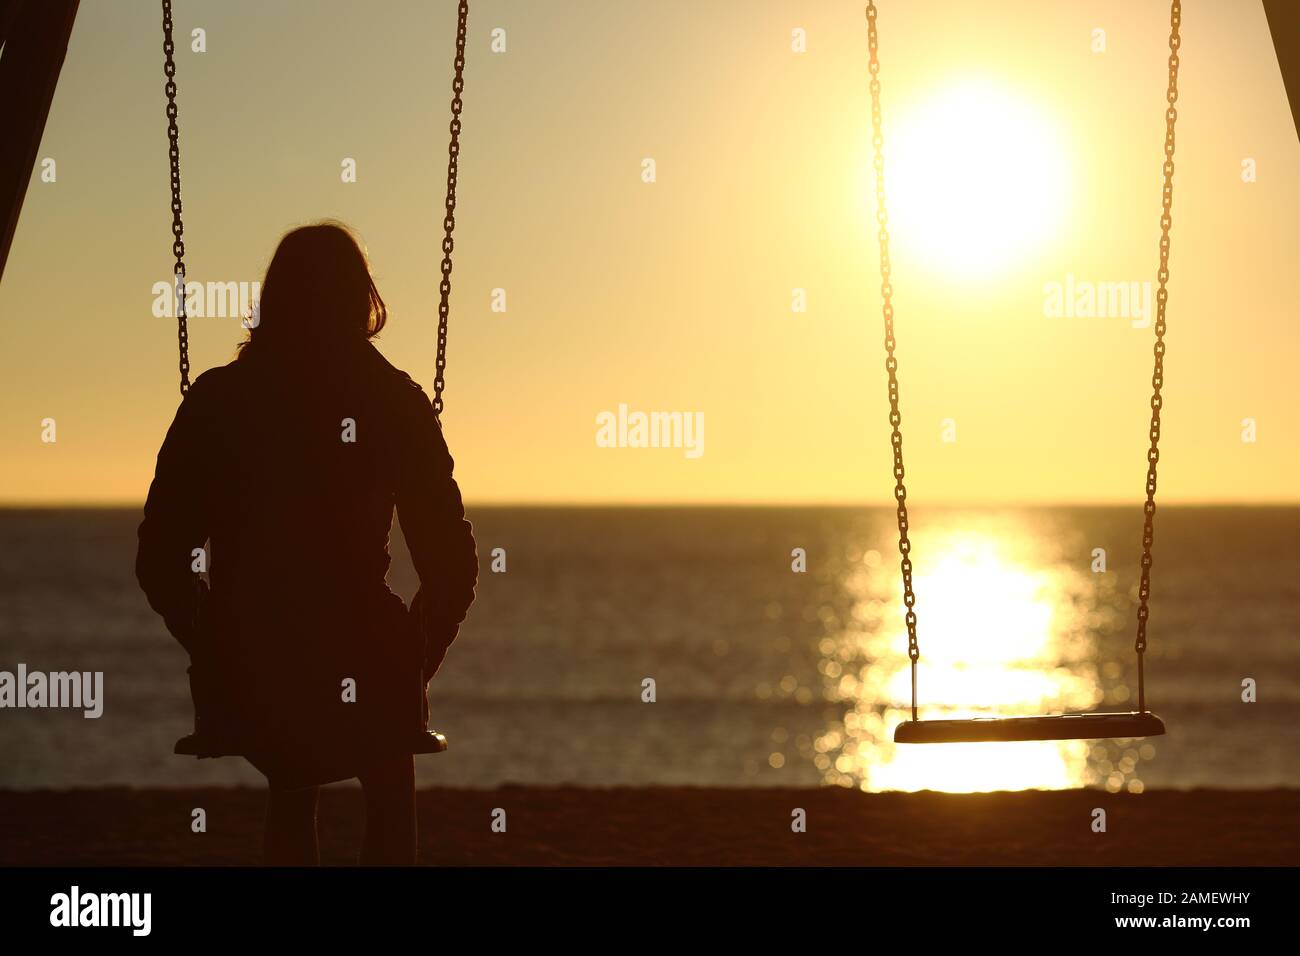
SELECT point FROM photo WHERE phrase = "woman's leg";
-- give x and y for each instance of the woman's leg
(290, 836)
(391, 833)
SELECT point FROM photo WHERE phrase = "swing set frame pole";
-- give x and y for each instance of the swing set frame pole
(35, 37)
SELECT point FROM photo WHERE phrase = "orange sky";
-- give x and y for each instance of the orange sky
(677, 295)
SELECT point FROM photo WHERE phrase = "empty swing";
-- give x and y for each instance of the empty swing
(199, 743)
(1139, 723)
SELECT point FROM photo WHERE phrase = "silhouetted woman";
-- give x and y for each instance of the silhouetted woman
(290, 461)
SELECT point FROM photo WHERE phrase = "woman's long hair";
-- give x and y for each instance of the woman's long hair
(318, 295)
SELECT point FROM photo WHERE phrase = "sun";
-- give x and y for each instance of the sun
(977, 179)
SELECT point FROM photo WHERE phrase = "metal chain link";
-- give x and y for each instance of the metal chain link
(449, 220)
(1158, 374)
(178, 225)
(1157, 377)
(891, 363)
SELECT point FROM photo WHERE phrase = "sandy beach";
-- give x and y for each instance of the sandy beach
(680, 826)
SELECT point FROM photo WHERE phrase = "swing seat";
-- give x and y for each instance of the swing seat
(1040, 727)
(198, 745)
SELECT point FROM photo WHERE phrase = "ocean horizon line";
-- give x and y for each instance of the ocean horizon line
(757, 505)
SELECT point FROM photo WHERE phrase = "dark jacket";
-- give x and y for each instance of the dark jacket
(291, 466)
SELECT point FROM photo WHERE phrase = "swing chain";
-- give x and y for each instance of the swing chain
(178, 225)
(891, 363)
(449, 220)
(1158, 374)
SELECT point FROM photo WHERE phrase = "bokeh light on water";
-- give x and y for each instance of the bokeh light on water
(1011, 621)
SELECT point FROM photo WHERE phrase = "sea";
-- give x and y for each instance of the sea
(740, 647)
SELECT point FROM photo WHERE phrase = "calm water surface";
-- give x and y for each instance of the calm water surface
(764, 677)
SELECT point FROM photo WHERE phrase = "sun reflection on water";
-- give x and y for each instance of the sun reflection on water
(1007, 626)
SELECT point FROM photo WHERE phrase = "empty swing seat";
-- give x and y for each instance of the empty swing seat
(1041, 727)
(197, 745)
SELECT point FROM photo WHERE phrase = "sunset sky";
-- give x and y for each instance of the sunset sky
(1017, 158)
